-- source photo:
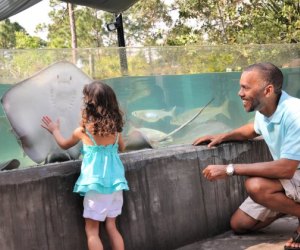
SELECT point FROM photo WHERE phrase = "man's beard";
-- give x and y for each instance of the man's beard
(254, 105)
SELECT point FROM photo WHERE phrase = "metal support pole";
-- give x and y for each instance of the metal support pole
(121, 43)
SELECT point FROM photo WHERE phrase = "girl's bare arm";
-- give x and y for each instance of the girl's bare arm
(54, 129)
(121, 143)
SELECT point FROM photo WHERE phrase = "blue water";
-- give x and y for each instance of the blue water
(154, 95)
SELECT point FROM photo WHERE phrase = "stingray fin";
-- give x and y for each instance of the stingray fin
(9, 165)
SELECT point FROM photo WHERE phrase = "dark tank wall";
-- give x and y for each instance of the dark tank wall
(169, 204)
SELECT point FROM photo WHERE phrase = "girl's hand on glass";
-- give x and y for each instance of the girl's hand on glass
(49, 125)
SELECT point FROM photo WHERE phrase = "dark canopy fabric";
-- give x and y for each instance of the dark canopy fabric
(113, 6)
(11, 7)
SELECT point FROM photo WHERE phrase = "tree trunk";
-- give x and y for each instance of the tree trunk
(73, 31)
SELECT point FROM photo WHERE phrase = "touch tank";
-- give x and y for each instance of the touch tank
(163, 90)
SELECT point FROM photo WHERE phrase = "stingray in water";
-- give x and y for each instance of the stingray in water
(55, 91)
(9, 165)
(141, 138)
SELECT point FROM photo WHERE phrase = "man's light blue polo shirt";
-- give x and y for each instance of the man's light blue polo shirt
(281, 131)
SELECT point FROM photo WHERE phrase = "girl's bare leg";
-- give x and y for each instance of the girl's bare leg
(92, 234)
(114, 235)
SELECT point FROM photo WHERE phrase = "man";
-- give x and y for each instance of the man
(273, 187)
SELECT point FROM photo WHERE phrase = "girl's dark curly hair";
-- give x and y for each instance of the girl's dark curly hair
(101, 110)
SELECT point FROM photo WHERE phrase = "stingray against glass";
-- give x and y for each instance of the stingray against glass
(55, 91)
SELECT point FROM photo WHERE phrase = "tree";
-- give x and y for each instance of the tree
(7, 34)
(88, 23)
(14, 36)
(147, 22)
(72, 25)
(181, 35)
(25, 41)
(242, 22)
(59, 35)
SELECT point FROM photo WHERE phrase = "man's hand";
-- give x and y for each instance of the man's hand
(212, 139)
(215, 172)
(243, 133)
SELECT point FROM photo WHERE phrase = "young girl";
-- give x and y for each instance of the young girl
(102, 179)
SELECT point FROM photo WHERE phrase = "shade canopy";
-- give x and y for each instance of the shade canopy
(11, 7)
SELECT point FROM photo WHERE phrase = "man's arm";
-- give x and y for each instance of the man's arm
(245, 132)
(278, 169)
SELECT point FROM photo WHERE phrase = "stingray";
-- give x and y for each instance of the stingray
(142, 138)
(55, 91)
(9, 165)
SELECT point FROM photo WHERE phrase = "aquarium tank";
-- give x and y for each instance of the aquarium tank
(169, 95)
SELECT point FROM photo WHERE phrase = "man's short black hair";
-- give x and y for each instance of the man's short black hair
(269, 73)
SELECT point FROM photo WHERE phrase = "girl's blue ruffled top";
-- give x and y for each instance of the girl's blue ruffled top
(101, 169)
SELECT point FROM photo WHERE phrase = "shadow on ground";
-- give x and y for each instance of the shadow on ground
(272, 237)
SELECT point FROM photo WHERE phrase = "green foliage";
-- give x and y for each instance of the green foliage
(88, 28)
(152, 22)
(59, 35)
(88, 22)
(147, 22)
(182, 35)
(14, 36)
(243, 22)
(7, 34)
(200, 23)
(101, 63)
(24, 41)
